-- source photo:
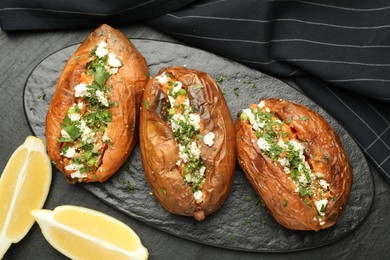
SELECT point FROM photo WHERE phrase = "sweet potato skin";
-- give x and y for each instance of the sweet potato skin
(126, 88)
(160, 152)
(274, 185)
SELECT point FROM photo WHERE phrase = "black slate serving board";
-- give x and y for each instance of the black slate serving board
(243, 222)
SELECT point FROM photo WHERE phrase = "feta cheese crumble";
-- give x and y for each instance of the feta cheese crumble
(70, 152)
(113, 61)
(321, 206)
(81, 90)
(198, 196)
(163, 79)
(101, 97)
(209, 139)
(102, 49)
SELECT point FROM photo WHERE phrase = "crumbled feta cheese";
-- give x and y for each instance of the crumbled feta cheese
(74, 167)
(106, 138)
(81, 90)
(186, 102)
(183, 154)
(321, 204)
(324, 184)
(209, 139)
(195, 120)
(64, 134)
(198, 196)
(74, 117)
(102, 99)
(80, 105)
(102, 49)
(87, 135)
(188, 178)
(202, 171)
(162, 79)
(172, 101)
(282, 144)
(263, 144)
(175, 122)
(113, 61)
(283, 161)
(78, 174)
(96, 147)
(194, 151)
(252, 119)
(302, 178)
(113, 71)
(262, 104)
(297, 145)
(70, 152)
(177, 87)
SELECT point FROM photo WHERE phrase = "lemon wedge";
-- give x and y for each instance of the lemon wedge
(24, 185)
(82, 233)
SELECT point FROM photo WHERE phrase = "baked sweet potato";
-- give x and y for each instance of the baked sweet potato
(92, 121)
(296, 163)
(187, 142)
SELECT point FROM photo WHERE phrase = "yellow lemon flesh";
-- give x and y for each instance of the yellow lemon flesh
(81, 233)
(24, 185)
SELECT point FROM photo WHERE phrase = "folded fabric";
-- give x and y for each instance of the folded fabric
(65, 14)
(336, 51)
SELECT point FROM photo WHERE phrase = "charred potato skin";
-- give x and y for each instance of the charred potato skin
(160, 152)
(275, 187)
(126, 88)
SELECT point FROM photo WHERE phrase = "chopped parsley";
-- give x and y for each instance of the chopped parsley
(235, 91)
(199, 86)
(220, 79)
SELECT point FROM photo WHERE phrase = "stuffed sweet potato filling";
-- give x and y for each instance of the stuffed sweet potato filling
(187, 142)
(278, 139)
(83, 132)
(186, 125)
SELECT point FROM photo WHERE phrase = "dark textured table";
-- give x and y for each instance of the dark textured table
(21, 52)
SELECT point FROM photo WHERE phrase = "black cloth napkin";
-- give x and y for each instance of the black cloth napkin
(337, 52)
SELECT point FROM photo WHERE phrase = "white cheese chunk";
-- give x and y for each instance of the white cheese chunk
(101, 97)
(106, 138)
(64, 134)
(195, 120)
(209, 139)
(263, 144)
(81, 90)
(113, 61)
(321, 204)
(74, 167)
(198, 196)
(102, 49)
(162, 79)
(324, 184)
(78, 174)
(70, 152)
(74, 117)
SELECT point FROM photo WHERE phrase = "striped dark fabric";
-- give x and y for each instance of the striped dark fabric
(65, 14)
(336, 51)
